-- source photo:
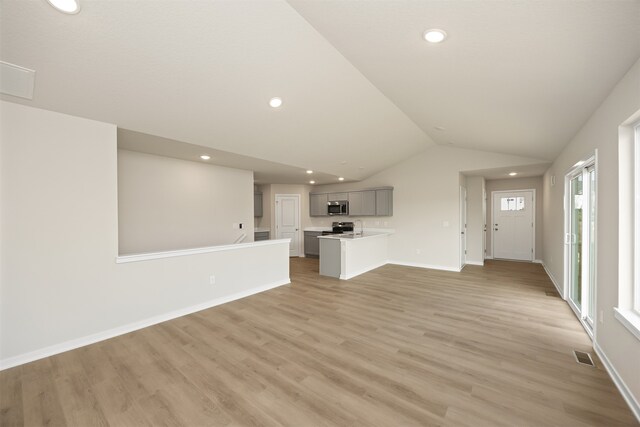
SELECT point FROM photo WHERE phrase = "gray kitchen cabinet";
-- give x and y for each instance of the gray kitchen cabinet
(384, 202)
(260, 235)
(362, 203)
(312, 243)
(318, 204)
(257, 205)
(336, 197)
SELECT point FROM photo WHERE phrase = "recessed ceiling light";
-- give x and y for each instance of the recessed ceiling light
(275, 102)
(513, 173)
(434, 35)
(312, 182)
(309, 171)
(205, 157)
(70, 7)
(341, 179)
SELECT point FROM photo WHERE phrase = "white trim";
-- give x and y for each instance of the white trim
(581, 168)
(299, 230)
(537, 261)
(488, 256)
(195, 251)
(618, 381)
(629, 319)
(481, 263)
(533, 219)
(429, 266)
(554, 281)
(362, 271)
(121, 330)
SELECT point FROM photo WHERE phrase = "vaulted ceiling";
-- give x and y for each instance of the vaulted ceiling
(362, 90)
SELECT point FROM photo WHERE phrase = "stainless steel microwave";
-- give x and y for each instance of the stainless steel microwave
(340, 207)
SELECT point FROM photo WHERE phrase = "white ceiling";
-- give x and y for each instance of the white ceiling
(202, 72)
(517, 77)
(264, 171)
(523, 171)
(361, 89)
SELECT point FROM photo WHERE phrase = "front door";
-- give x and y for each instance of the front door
(513, 227)
(288, 220)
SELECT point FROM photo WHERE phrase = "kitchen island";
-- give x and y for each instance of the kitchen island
(348, 255)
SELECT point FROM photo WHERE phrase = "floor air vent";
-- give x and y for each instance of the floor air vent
(583, 358)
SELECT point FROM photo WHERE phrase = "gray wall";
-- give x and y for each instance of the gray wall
(475, 219)
(518, 184)
(599, 133)
(166, 204)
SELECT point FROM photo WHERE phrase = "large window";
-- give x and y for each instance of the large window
(628, 310)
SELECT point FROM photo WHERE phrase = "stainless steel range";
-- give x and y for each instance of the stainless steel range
(339, 228)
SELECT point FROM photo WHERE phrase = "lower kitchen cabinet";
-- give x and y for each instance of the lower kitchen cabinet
(260, 235)
(311, 243)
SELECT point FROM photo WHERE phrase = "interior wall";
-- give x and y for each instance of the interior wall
(475, 219)
(60, 284)
(599, 133)
(167, 204)
(265, 220)
(426, 202)
(509, 184)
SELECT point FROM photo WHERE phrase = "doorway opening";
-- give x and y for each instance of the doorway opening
(580, 241)
(288, 221)
(513, 224)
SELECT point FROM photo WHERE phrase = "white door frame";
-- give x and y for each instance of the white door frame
(576, 170)
(299, 232)
(533, 219)
(463, 227)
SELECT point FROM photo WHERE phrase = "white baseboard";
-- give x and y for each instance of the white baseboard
(481, 263)
(553, 280)
(362, 271)
(488, 257)
(537, 261)
(125, 329)
(618, 381)
(429, 266)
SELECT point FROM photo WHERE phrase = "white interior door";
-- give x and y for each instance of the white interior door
(288, 220)
(513, 225)
(463, 226)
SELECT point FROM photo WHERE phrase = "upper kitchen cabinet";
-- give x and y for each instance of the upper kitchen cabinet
(318, 204)
(257, 205)
(369, 202)
(362, 203)
(337, 197)
(384, 202)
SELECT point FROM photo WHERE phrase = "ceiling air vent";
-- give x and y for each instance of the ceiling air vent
(16, 80)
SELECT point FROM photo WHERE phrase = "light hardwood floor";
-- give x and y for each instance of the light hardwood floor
(396, 346)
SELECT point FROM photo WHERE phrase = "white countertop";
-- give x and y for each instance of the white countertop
(261, 229)
(348, 236)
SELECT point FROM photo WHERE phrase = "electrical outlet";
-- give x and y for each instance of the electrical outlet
(240, 227)
(212, 280)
